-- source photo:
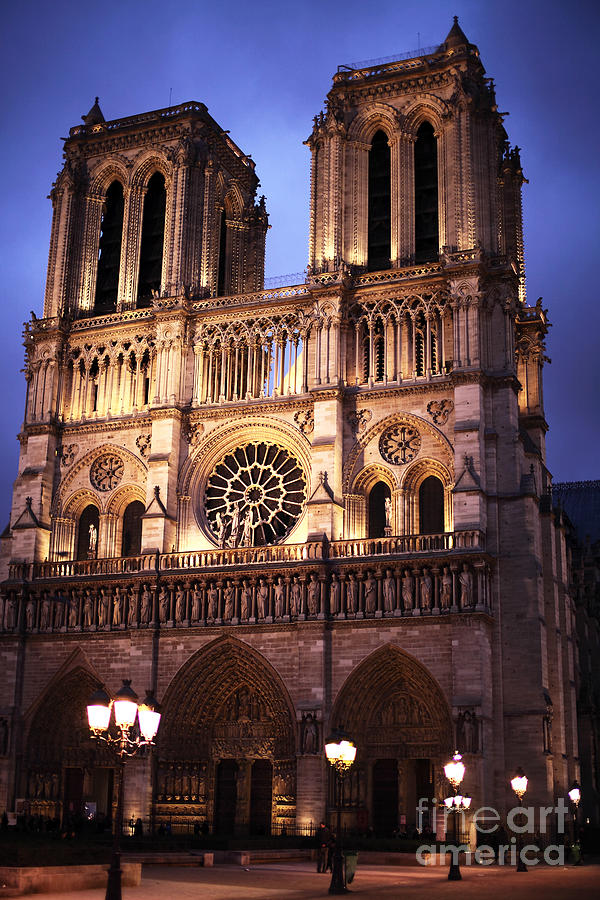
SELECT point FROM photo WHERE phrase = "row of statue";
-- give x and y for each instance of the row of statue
(355, 594)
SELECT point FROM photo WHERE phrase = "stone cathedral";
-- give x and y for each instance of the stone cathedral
(289, 509)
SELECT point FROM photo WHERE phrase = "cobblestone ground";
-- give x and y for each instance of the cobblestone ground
(299, 881)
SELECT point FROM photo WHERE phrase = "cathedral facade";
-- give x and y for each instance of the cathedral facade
(291, 509)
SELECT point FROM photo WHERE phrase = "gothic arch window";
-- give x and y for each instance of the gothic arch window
(109, 253)
(153, 235)
(379, 215)
(87, 539)
(380, 492)
(131, 544)
(426, 195)
(431, 506)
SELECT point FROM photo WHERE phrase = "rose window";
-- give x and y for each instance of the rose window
(399, 444)
(106, 472)
(254, 495)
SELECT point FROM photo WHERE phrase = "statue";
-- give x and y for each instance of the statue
(146, 615)
(388, 513)
(466, 587)
(389, 591)
(351, 594)
(163, 603)
(196, 600)
(246, 527)
(370, 594)
(45, 615)
(295, 597)
(446, 590)
(221, 529)
(59, 611)
(103, 608)
(117, 617)
(93, 539)
(314, 595)
(279, 595)
(131, 606)
(310, 737)
(235, 526)
(245, 601)
(11, 613)
(179, 603)
(29, 614)
(262, 599)
(213, 602)
(426, 584)
(467, 732)
(408, 597)
(228, 598)
(334, 595)
(88, 610)
(73, 609)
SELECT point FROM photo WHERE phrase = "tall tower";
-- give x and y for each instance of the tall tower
(289, 509)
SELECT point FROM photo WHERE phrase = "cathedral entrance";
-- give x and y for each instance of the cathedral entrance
(226, 797)
(261, 797)
(385, 797)
(400, 720)
(227, 744)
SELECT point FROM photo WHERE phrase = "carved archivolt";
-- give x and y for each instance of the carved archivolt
(422, 469)
(369, 477)
(59, 730)
(373, 118)
(392, 701)
(227, 701)
(397, 419)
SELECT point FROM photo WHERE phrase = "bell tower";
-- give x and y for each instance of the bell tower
(410, 160)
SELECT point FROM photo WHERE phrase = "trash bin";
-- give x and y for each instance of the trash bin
(351, 861)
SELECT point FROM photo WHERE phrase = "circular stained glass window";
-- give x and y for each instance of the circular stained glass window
(254, 495)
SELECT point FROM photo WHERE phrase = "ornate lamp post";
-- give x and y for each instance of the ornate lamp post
(457, 803)
(340, 752)
(519, 786)
(575, 797)
(125, 741)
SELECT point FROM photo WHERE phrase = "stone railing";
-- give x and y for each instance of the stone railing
(400, 546)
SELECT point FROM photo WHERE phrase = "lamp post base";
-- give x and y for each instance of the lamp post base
(521, 867)
(113, 885)
(338, 879)
(454, 872)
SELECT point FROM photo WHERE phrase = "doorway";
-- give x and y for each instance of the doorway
(385, 797)
(226, 796)
(261, 797)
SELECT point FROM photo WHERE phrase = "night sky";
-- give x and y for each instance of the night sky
(263, 69)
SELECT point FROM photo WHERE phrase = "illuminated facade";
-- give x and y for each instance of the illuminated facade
(292, 508)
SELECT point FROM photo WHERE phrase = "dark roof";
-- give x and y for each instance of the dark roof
(581, 502)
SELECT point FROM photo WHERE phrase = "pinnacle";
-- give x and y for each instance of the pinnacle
(456, 36)
(95, 116)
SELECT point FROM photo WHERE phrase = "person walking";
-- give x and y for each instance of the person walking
(323, 838)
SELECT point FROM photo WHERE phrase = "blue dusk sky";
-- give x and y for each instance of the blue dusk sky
(263, 69)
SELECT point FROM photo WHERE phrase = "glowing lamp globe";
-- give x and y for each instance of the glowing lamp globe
(575, 793)
(149, 717)
(126, 705)
(98, 711)
(519, 783)
(455, 770)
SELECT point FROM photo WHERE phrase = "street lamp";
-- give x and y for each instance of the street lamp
(341, 753)
(457, 803)
(575, 797)
(519, 786)
(127, 740)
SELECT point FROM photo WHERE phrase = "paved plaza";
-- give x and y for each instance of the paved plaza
(299, 881)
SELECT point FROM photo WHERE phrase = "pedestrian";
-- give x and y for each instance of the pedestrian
(323, 838)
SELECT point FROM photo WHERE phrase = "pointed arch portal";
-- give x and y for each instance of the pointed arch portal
(227, 744)
(396, 713)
